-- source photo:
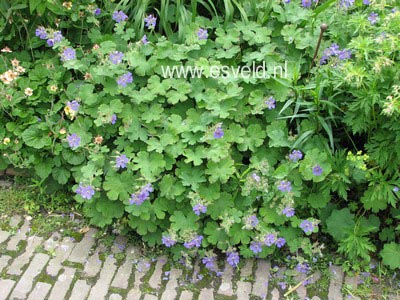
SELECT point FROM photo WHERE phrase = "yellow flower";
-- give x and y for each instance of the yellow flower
(28, 92)
(53, 88)
(67, 5)
(6, 141)
(63, 131)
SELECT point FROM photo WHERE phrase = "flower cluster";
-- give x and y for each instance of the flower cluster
(295, 156)
(199, 208)
(139, 197)
(119, 16)
(334, 51)
(307, 3)
(124, 79)
(68, 54)
(270, 103)
(307, 226)
(346, 3)
(271, 239)
(116, 57)
(121, 161)
(73, 140)
(232, 258)
(373, 18)
(195, 242)
(288, 212)
(251, 222)
(10, 75)
(285, 186)
(151, 21)
(52, 37)
(168, 241)
(202, 34)
(86, 192)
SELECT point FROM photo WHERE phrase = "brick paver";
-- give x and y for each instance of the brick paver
(19, 236)
(81, 250)
(170, 289)
(4, 236)
(23, 259)
(226, 281)
(6, 286)
(124, 272)
(93, 263)
(61, 254)
(40, 291)
(80, 291)
(4, 259)
(62, 285)
(155, 279)
(260, 286)
(206, 294)
(100, 289)
(186, 295)
(335, 286)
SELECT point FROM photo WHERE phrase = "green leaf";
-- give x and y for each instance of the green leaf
(118, 186)
(34, 137)
(170, 187)
(391, 255)
(221, 170)
(216, 235)
(180, 221)
(339, 223)
(150, 165)
(61, 175)
(253, 139)
(44, 168)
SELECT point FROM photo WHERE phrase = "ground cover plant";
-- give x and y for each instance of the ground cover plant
(249, 166)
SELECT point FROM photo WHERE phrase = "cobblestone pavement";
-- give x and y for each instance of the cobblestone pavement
(56, 268)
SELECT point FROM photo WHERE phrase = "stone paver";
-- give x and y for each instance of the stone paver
(23, 259)
(124, 272)
(24, 285)
(93, 263)
(275, 294)
(81, 250)
(62, 285)
(19, 236)
(115, 297)
(119, 244)
(40, 291)
(100, 289)
(4, 236)
(61, 254)
(170, 289)
(301, 290)
(243, 290)
(186, 295)
(150, 297)
(52, 242)
(155, 279)
(4, 259)
(206, 294)
(247, 269)
(134, 294)
(15, 220)
(335, 286)
(352, 281)
(260, 286)
(6, 286)
(80, 291)
(226, 281)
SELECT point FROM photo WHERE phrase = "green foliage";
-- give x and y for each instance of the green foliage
(214, 142)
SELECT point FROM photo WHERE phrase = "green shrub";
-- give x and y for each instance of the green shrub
(234, 163)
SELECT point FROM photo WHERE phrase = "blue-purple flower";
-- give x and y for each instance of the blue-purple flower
(57, 36)
(270, 103)
(124, 79)
(251, 221)
(151, 21)
(73, 140)
(209, 262)
(269, 239)
(396, 189)
(73, 105)
(113, 119)
(195, 242)
(317, 170)
(168, 241)
(145, 41)
(119, 16)
(285, 186)
(346, 3)
(86, 192)
(373, 18)
(295, 156)
(41, 32)
(366, 2)
(280, 242)
(233, 258)
(139, 197)
(116, 57)
(199, 208)
(256, 247)
(303, 268)
(202, 34)
(218, 133)
(255, 177)
(121, 161)
(97, 11)
(307, 226)
(288, 211)
(334, 51)
(68, 54)
(306, 3)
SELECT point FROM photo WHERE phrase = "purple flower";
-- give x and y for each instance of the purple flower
(41, 32)
(113, 119)
(346, 3)
(280, 242)
(252, 221)
(86, 192)
(288, 211)
(270, 103)
(209, 263)
(202, 34)
(116, 57)
(303, 268)
(145, 40)
(199, 208)
(150, 21)
(233, 258)
(334, 51)
(296, 155)
(366, 2)
(50, 42)
(168, 241)
(373, 18)
(317, 170)
(124, 79)
(285, 186)
(256, 247)
(73, 140)
(396, 189)
(269, 239)
(57, 36)
(307, 226)
(282, 285)
(97, 11)
(218, 133)
(142, 195)
(119, 16)
(195, 242)
(306, 3)
(121, 161)
(344, 54)
(68, 54)
(73, 105)
(255, 177)
(286, 1)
